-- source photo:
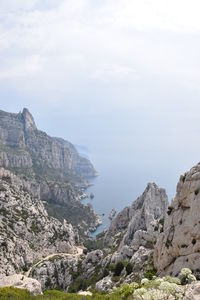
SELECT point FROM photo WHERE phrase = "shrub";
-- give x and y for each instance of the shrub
(118, 268)
(186, 276)
(150, 273)
(172, 279)
(170, 208)
(105, 272)
(14, 294)
(127, 290)
(129, 268)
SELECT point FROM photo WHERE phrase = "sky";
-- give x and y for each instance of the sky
(121, 77)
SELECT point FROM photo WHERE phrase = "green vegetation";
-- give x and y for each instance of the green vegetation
(80, 284)
(19, 294)
(118, 268)
(155, 289)
(170, 208)
(150, 273)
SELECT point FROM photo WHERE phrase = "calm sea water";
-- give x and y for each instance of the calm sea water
(120, 182)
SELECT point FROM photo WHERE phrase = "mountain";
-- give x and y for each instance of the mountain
(42, 177)
(179, 244)
(56, 173)
(27, 232)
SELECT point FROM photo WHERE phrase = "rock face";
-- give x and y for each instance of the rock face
(135, 230)
(52, 166)
(139, 224)
(59, 271)
(27, 233)
(56, 272)
(179, 245)
(33, 147)
(22, 282)
(92, 260)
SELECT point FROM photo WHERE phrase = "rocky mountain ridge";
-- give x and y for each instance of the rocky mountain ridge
(56, 173)
(179, 244)
(147, 239)
(27, 231)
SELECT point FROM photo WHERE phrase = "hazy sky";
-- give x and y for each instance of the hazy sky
(120, 76)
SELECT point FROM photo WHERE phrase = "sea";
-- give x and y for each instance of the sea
(120, 182)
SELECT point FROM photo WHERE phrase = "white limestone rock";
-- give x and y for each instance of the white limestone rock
(179, 245)
(22, 282)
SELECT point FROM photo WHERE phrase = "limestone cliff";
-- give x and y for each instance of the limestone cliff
(27, 233)
(52, 166)
(135, 230)
(141, 222)
(179, 245)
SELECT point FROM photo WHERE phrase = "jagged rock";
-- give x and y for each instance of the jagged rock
(19, 130)
(136, 229)
(27, 232)
(104, 285)
(52, 167)
(92, 260)
(179, 245)
(193, 291)
(56, 272)
(140, 224)
(22, 282)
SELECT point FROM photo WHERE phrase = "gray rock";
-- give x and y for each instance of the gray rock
(21, 282)
(27, 232)
(179, 245)
(92, 260)
(139, 224)
(56, 272)
(136, 229)
(52, 167)
(104, 285)
(193, 291)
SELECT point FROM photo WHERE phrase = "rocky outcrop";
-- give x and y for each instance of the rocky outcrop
(55, 171)
(60, 271)
(56, 272)
(193, 291)
(92, 260)
(140, 223)
(21, 282)
(21, 138)
(179, 245)
(104, 285)
(27, 233)
(134, 231)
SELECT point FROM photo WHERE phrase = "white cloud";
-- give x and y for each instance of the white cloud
(71, 43)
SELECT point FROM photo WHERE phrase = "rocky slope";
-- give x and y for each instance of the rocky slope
(56, 172)
(179, 244)
(129, 241)
(27, 233)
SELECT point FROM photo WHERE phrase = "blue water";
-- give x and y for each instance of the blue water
(121, 181)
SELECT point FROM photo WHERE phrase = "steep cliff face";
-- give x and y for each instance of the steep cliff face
(142, 220)
(135, 230)
(179, 245)
(27, 233)
(23, 146)
(52, 166)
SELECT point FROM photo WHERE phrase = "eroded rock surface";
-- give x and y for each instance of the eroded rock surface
(21, 282)
(179, 245)
(56, 173)
(140, 223)
(27, 233)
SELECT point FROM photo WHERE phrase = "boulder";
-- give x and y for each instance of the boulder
(22, 282)
(104, 285)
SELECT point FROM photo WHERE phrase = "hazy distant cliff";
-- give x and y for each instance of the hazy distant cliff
(53, 166)
(24, 146)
